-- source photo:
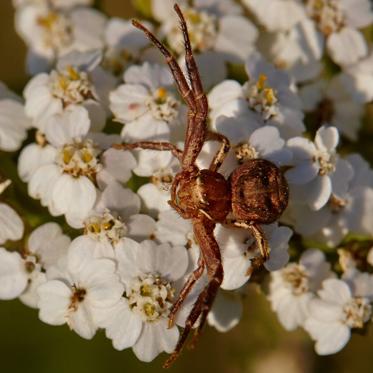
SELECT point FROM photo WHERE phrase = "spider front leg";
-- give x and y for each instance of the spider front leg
(151, 145)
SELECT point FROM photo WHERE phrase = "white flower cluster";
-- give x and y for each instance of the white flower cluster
(293, 93)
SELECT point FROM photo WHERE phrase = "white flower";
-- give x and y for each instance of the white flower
(146, 104)
(338, 21)
(80, 297)
(13, 121)
(332, 102)
(348, 210)
(292, 287)
(67, 184)
(22, 274)
(266, 99)
(334, 314)
(51, 33)
(140, 319)
(264, 143)
(238, 248)
(318, 171)
(125, 45)
(76, 82)
(211, 25)
(115, 216)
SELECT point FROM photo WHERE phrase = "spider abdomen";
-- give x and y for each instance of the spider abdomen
(259, 192)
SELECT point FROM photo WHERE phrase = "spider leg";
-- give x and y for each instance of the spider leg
(197, 124)
(193, 73)
(176, 71)
(222, 152)
(258, 234)
(151, 145)
(193, 278)
(204, 233)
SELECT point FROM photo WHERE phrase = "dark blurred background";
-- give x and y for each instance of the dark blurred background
(257, 345)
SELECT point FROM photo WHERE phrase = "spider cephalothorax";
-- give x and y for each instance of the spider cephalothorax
(256, 192)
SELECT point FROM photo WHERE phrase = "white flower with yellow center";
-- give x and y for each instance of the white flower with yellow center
(265, 99)
(149, 273)
(82, 294)
(211, 26)
(146, 104)
(338, 21)
(334, 314)
(292, 287)
(202, 29)
(53, 32)
(77, 81)
(114, 217)
(317, 170)
(68, 183)
(125, 45)
(218, 31)
(348, 210)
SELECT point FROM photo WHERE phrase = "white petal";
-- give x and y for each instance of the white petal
(146, 128)
(149, 75)
(327, 138)
(236, 36)
(119, 199)
(13, 125)
(224, 92)
(49, 243)
(225, 313)
(32, 157)
(13, 275)
(128, 102)
(30, 296)
(81, 321)
(170, 261)
(11, 225)
(42, 182)
(119, 164)
(155, 338)
(124, 326)
(347, 46)
(73, 196)
(319, 191)
(330, 337)
(140, 227)
(336, 291)
(54, 301)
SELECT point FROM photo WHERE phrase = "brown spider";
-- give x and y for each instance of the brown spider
(256, 192)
